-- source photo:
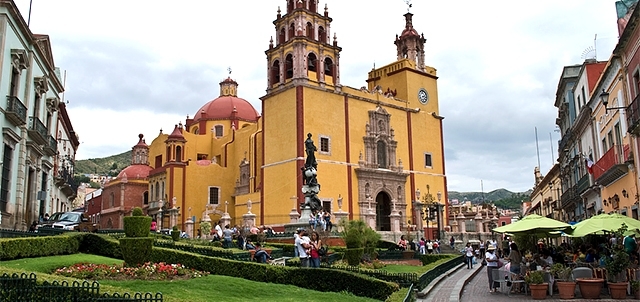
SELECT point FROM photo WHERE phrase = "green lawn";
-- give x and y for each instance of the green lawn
(210, 288)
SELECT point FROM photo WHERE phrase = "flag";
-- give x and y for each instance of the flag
(589, 165)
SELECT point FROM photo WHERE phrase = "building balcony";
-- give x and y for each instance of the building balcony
(37, 131)
(16, 111)
(67, 184)
(612, 165)
(569, 197)
(633, 116)
(583, 184)
(566, 137)
(52, 147)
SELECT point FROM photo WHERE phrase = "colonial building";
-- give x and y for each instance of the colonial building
(375, 145)
(31, 184)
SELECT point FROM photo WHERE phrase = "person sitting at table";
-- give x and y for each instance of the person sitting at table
(591, 256)
(546, 257)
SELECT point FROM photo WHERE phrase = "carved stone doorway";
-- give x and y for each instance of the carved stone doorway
(383, 210)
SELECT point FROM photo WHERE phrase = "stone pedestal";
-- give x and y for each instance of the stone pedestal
(339, 216)
(454, 225)
(226, 220)
(478, 220)
(249, 219)
(303, 222)
(462, 224)
(294, 216)
(173, 217)
(189, 228)
(395, 221)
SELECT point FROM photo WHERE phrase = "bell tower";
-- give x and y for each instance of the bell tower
(410, 44)
(303, 51)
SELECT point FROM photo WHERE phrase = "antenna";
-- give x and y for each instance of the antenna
(551, 144)
(409, 5)
(537, 149)
(595, 47)
(588, 53)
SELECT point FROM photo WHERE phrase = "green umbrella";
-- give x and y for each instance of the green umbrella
(603, 223)
(533, 224)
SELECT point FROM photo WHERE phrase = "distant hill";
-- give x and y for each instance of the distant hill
(111, 165)
(501, 197)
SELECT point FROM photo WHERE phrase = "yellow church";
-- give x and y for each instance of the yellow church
(377, 146)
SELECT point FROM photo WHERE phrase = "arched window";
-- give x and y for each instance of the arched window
(178, 153)
(168, 153)
(313, 6)
(196, 130)
(322, 35)
(157, 191)
(312, 62)
(152, 191)
(382, 155)
(282, 36)
(289, 66)
(112, 200)
(328, 67)
(309, 30)
(275, 72)
(292, 31)
(145, 197)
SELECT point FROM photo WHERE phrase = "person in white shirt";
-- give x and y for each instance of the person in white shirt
(429, 247)
(296, 235)
(468, 250)
(219, 230)
(492, 264)
(302, 243)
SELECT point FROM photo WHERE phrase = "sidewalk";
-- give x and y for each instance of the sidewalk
(447, 288)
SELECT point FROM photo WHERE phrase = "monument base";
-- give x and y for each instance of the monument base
(303, 222)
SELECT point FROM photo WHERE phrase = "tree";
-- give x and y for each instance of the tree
(82, 179)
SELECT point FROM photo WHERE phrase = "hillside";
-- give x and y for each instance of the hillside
(107, 165)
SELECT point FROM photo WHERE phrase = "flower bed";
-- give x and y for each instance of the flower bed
(147, 271)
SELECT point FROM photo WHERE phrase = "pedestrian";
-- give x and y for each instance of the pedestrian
(492, 264)
(452, 242)
(316, 244)
(303, 248)
(469, 253)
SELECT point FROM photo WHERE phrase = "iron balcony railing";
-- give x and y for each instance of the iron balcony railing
(569, 197)
(69, 187)
(633, 116)
(16, 111)
(37, 131)
(610, 161)
(52, 146)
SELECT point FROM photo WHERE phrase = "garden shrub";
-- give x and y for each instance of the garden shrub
(16, 248)
(102, 245)
(136, 251)
(175, 233)
(353, 255)
(137, 211)
(431, 258)
(137, 226)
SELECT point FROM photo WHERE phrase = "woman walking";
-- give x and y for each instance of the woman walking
(468, 250)
(492, 264)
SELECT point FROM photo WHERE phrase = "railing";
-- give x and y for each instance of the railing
(68, 179)
(614, 156)
(633, 116)
(52, 146)
(409, 297)
(16, 111)
(426, 278)
(38, 131)
(24, 287)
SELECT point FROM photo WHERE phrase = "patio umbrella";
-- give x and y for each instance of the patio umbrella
(533, 224)
(603, 223)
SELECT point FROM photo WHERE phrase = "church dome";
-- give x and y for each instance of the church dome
(135, 172)
(228, 106)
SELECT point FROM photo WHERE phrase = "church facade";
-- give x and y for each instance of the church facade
(377, 146)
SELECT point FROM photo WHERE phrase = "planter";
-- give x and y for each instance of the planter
(539, 291)
(618, 290)
(408, 254)
(566, 289)
(590, 287)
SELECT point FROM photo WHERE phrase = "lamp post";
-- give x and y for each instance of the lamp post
(550, 199)
(604, 98)
(440, 219)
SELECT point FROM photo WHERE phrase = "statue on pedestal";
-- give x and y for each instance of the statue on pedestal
(310, 187)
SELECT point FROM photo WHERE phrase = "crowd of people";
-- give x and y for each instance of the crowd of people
(423, 246)
(308, 248)
(320, 220)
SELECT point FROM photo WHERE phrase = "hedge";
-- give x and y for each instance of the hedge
(136, 251)
(16, 248)
(137, 226)
(430, 258)
(319, 279)
(353, 255)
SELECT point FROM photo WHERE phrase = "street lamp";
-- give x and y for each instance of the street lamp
(604, 98)
(431, 210)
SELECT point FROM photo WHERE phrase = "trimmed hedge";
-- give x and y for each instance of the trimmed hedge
(136, 251)
(102, 245)
(353, 255)
(137, 226)
(316, 279)
(430, 258)
(16, 248)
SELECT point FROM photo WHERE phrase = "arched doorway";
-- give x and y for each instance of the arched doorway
(383, 210)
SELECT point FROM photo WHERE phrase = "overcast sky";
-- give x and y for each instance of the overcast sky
(139, 66)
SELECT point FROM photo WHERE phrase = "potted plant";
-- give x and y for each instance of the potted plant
(538, 287)
(616, 267)
(566, 286)
(635, 288)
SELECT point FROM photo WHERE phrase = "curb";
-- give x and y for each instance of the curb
(457, 290)
(425, 292)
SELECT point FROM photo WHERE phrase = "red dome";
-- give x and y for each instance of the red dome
(223, 107)
(135, 172)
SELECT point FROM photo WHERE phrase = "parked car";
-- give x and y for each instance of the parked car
(70, 221)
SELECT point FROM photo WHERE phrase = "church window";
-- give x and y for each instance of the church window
(158, 197)
(289, 66)
(282, 36)
(275, 72)
(145, 197)
(219, 130)
(427, 160)
(168, 153)
(325, 144)
(196, 130)
(158, 161)
(112, 200)
(309, 30)
(382, 154)
(328, 67)
(214, 195)
(322, 35)
(292, 30)
(312, 62)
(178, 154)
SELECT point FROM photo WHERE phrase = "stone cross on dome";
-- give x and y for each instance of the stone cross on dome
(409, 5)
(229, 70)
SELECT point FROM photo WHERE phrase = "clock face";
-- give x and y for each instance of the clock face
(423, 96)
